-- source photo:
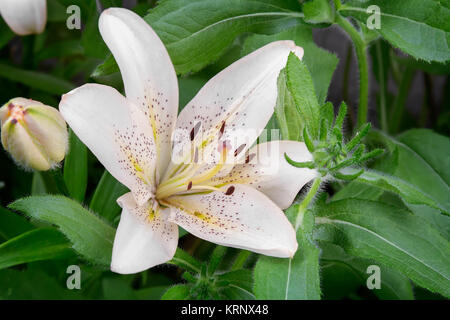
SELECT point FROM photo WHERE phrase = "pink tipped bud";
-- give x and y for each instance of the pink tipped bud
(34, 134)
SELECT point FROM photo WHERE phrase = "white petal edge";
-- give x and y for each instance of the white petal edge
(148, 73)
(24, 17)
(269, 172)
(243, 95)
(98, 114)
(246, 219)
(140, 244)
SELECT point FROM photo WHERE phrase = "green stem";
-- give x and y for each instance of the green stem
(348, 60)
(361, 55)
(383, 87)
(399, 104)
(54, 182)
(306, 202)
(240, 260)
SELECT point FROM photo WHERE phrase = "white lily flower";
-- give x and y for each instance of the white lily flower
(232, 205)
(24, 17)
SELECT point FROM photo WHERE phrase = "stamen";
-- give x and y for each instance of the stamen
(222, 147)
(189, 187)
(250, 157)
(239, 149)
(196, 155)
(195, 130)
(222, 129)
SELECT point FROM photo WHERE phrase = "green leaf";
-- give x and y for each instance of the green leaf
(90, 236)
(117, 289)
(104, 199)
(318, 11)
(34, 245)
(394, 285)
(76, 168)
(321, 63)
(32, 285)
(184, 260)
(236, 284)
(12, 224)
(198, 32)
(416, 169)
(389, 235)
(432, 148)
(296, 278)
(423, 159)
(405, 190)
(286, 113)
(300, 85)
(418, 27)
(34, 79)
(178, 292)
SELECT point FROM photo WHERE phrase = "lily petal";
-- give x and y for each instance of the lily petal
(268, 171)
(239, 101)
(24, 16)
(241, 218)
(143, 239)
(147, 71)
(116, 131)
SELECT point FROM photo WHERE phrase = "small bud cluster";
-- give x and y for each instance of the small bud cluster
(330, 153)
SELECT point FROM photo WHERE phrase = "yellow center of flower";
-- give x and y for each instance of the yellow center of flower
(185, 179)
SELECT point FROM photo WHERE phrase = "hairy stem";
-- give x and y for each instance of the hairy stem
(306, 202)
(383, 87)
(361, 55)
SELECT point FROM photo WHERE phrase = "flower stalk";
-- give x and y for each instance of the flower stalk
(361, 55)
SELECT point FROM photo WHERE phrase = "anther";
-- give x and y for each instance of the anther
(194, 130)
(239, 149)
(222, 129)
(250, 157)
(230, 191)
(189, 185)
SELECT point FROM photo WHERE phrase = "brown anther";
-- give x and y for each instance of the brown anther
(222, 129)
(194, 130)
(189, 187)
(230, 191)
(239, 149)
(14, 121)
(250, 157)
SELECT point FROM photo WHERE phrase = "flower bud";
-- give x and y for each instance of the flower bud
(34, 134)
